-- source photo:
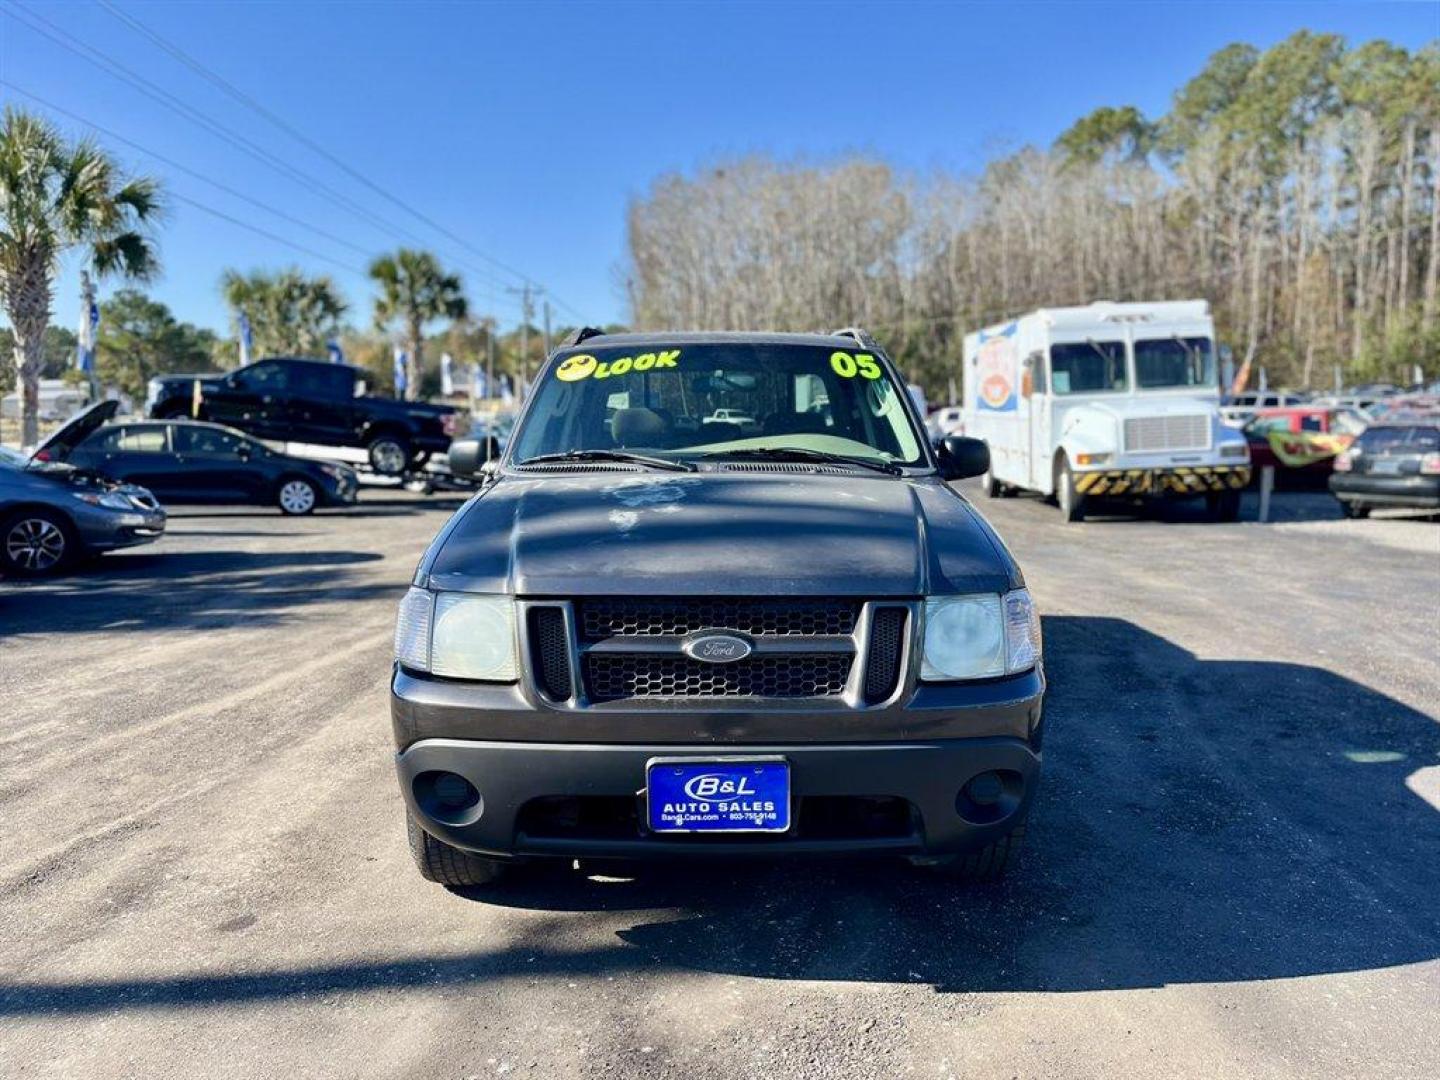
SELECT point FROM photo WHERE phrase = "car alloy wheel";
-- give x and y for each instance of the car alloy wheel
(35, 545)
(297, 497)
(388, 457)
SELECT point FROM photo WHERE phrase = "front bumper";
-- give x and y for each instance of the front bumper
(1178, 480)
(907, 760)
(111, 530)
(1421, 492)
(583, 800)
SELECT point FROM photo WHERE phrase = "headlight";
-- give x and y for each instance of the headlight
(335, 472)
(111, 500)
(458, 635)
(979, 637)
(1235, 449)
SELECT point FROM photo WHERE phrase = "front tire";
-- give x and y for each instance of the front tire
(297, 496)
(1223, 506)
(993, 488)
(1354, 510)
(1070, 501)
(389, 455)
(991, 863)
(439, 862)
(37, 542)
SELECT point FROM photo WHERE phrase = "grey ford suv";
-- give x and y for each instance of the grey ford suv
(658, 634)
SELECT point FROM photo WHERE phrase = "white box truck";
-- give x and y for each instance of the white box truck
(1106, 400)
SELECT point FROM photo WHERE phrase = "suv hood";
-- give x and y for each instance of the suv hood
(670, 534)
(80, 427)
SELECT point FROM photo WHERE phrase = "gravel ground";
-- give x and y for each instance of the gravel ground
(1234, 870)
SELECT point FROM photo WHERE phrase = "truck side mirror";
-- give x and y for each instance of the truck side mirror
(962, 457)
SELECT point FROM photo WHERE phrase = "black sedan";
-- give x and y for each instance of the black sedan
(1393, 463)
(187, 461)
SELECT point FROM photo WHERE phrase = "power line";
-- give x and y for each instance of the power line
(195, 116)
(266, 233)
(249, 102)
(215, 79)
(172, 163)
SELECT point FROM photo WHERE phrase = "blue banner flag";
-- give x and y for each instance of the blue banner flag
(337, 354)
(400, 365)
(247, 339)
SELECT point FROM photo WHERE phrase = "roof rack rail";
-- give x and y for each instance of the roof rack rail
(861, 336)
(575, 337)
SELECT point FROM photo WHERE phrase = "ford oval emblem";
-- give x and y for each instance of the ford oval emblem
(717, 648)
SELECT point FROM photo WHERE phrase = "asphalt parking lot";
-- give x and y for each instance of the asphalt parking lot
(1234, 870)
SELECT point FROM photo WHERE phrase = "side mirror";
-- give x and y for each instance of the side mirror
(962, 457)
(244, 452)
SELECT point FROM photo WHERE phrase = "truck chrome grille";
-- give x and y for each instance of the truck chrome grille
(614, 676)
(1154, 434)
(610, 617)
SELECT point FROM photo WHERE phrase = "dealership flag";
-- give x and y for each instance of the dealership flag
(247, 339)
(447, 380)
(337, 354)
(89, 324)
(400, 362)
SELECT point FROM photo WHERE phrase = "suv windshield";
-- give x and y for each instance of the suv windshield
(693, 400)
(1169, 363)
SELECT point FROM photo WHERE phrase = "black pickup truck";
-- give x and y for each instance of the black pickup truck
(309, 401)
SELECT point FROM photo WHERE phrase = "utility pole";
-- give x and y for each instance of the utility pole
(547, 330)
(527, 296)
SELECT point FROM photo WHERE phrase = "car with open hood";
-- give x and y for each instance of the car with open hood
(658, 634)
(189, 461)
(53, 514)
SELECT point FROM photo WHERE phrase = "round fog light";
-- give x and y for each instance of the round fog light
(985, 789)
(453, 790)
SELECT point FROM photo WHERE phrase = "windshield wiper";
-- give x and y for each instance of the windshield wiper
(612, 455)
(796, 453)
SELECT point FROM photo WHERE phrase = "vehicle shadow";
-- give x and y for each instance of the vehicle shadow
(184, 590)
(1199, 821)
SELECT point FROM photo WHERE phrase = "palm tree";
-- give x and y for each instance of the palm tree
(414, 290)
(290, 312)
(57, 197)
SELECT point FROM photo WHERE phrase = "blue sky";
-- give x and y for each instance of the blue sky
(525, 129)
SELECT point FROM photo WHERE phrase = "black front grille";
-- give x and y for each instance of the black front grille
(550, 650)
(615, 676)
(887, 642)
(664, 617)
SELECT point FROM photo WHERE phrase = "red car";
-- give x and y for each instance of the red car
(1301, 441)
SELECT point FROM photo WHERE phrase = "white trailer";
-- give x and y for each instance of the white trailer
(1105, 400)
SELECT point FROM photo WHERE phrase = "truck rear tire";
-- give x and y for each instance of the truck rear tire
(1354, 510)
(1223, 506)
(1070, 501)
(990, 863)
(446, 865)
(389, 454)
(993, 488)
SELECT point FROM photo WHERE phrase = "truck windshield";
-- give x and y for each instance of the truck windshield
(1088, 367)
(710, 399)
(1169, 363)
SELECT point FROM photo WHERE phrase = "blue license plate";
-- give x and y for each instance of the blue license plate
(718, 795)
